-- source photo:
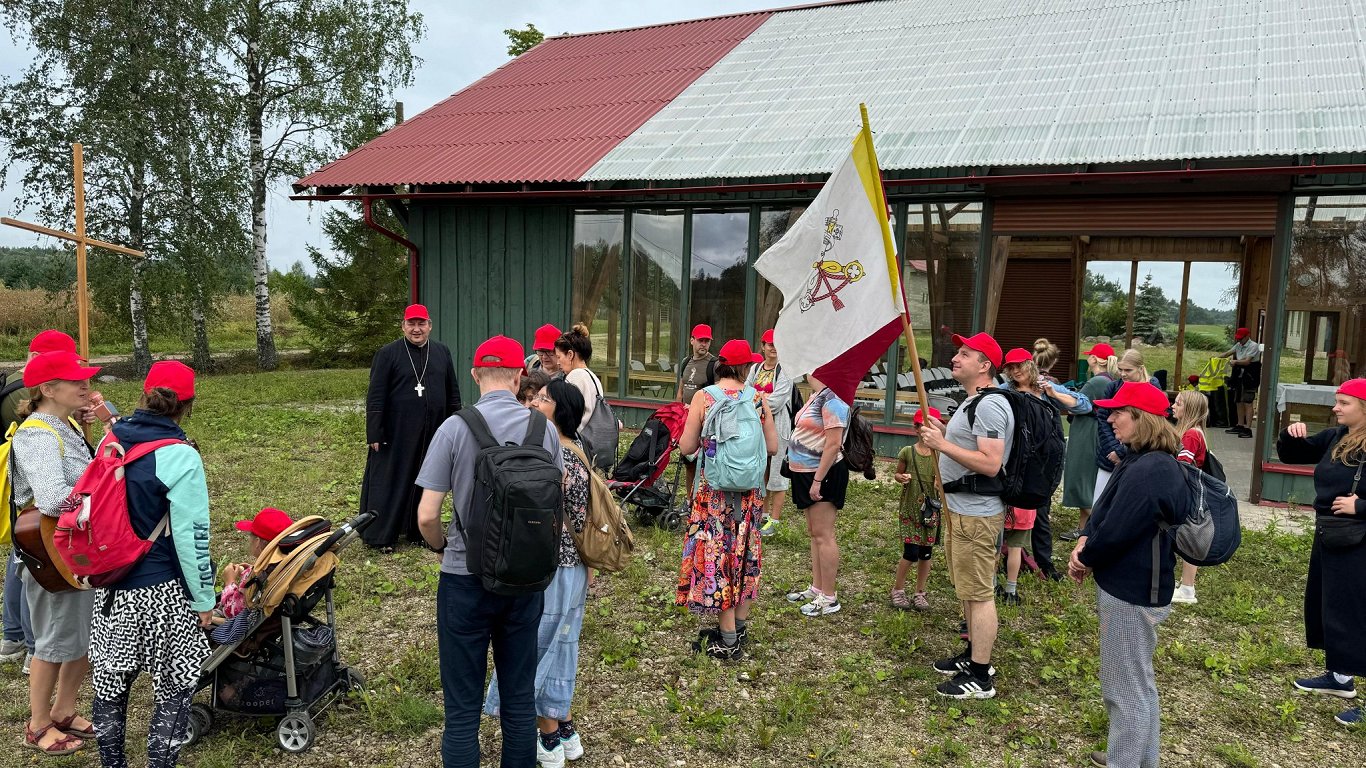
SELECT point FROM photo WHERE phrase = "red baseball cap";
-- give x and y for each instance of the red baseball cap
(56, 366)
(1140, 395)
(983, 343)
(767, 336)
(1353, 388)
(546, 336)
(268, 523)
(1103, 351)
(701, 331)
(737, 352)
(416, 312)
(500, 352)
(173, 375)
(1241, 333)
(1018, 355)
(52, 341)
(919, 417)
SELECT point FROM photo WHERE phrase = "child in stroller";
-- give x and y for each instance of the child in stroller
(267, 664)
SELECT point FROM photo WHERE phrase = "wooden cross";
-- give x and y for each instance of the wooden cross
(78, 237)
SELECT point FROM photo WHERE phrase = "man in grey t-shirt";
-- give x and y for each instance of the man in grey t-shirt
(969, 452)
(467, 615)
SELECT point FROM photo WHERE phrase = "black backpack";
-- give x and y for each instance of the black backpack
(512, 539)
(643, 455)
(1033, 470)
(796, 402)
(858, 444)
(1213, 467)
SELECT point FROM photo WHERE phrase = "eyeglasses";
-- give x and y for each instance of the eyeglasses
(542, 399)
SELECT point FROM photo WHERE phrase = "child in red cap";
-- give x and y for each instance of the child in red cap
(264, 527)
(921, 504)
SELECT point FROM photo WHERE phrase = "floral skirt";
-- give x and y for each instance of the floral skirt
(721, 555)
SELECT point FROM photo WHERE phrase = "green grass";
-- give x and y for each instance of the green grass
(854, 689)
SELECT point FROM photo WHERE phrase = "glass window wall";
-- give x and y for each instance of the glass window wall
(656, 300)
(718, 268)
(598, 241)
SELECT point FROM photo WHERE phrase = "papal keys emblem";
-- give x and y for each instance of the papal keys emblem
(828, 276)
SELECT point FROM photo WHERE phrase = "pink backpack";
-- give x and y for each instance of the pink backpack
(94, 535)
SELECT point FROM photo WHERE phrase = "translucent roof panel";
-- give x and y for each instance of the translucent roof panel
(951, 83)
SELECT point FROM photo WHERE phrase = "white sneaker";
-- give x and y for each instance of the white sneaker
(549, 758)
(804, 596)
(573, 747)
(12, 650)
(823, 605)
(1184, 594)
(28, 660)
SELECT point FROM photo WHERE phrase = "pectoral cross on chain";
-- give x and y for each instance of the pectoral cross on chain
(419, 388)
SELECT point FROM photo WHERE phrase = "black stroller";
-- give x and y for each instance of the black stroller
(286, 662)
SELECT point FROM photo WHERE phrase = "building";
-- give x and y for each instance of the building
(628, 179)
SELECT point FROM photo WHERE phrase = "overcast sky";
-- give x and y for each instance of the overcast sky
(464, 42)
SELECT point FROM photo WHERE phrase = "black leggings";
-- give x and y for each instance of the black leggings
(915, 552)
(165, 733)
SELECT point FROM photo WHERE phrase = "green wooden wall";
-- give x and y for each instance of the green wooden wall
(489, 270)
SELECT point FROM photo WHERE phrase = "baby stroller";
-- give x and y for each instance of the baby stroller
(638, 478)
(284, 661)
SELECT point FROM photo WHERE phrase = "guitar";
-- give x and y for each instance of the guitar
(33, 542)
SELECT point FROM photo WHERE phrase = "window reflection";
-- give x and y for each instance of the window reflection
(718, 267)
(1325, 341)
(598, 241)
(655, 301)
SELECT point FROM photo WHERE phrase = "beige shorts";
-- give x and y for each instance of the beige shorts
(971, 547)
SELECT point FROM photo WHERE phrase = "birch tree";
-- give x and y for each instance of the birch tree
(303, 69)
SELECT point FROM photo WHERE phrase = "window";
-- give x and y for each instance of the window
(938, 270)
(717, 270)
(1325, 327)
(773, 224)
(655, 297)
(598, 241)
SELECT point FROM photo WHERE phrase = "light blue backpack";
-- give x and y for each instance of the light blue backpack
(734, 455)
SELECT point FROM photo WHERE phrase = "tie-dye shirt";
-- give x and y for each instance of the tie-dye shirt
(823, 411)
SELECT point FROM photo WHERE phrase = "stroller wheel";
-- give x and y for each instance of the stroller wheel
(296, 732)
(354, 681)
(672, 519)
(201, 722)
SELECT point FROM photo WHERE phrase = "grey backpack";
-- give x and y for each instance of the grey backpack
(599, 436)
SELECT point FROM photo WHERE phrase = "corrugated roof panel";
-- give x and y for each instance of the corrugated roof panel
(547, 115)
(1012, 82)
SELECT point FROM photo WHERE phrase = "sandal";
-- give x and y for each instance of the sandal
(920, 602)
(63, 746)
(65, 727)
(900, 601)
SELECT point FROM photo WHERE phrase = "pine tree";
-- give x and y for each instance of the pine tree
(1149, 308)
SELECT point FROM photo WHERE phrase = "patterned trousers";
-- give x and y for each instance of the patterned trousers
(1128, 638)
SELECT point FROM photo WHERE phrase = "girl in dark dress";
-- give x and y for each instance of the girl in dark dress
(1335, 595)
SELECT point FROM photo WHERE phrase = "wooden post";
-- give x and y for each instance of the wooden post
(82, 291)
(1181, 325)
(1133, 291)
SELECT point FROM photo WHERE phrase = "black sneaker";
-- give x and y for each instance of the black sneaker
(1010, 598)
(956, 664)
(1070, 535)
(1245, 432)
(719, 650)
(1235, 429)
(965, 686)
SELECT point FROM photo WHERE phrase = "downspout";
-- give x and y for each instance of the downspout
(401, 240)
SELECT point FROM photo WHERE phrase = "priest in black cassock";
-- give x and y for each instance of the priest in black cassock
(412, 390)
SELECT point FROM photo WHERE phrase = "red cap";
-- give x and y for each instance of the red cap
(1241, 333)
(56, 366)
(983, 343)
(268, 523)
(1018, 355)
(1140, 395)
(919, 417)
(701, 331)
(1103, 351)
(737, 352)
(546, 336)
(499, 352)
(1351, 387)
(52, 341)
(767, 336)
(416, 312)
(173, 375)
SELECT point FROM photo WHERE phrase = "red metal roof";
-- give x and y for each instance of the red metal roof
(547, 115)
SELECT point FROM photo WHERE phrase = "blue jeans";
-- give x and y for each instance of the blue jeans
(17, 625)
(468, 619)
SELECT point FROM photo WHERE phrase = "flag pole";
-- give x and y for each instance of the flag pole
(894, 269)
